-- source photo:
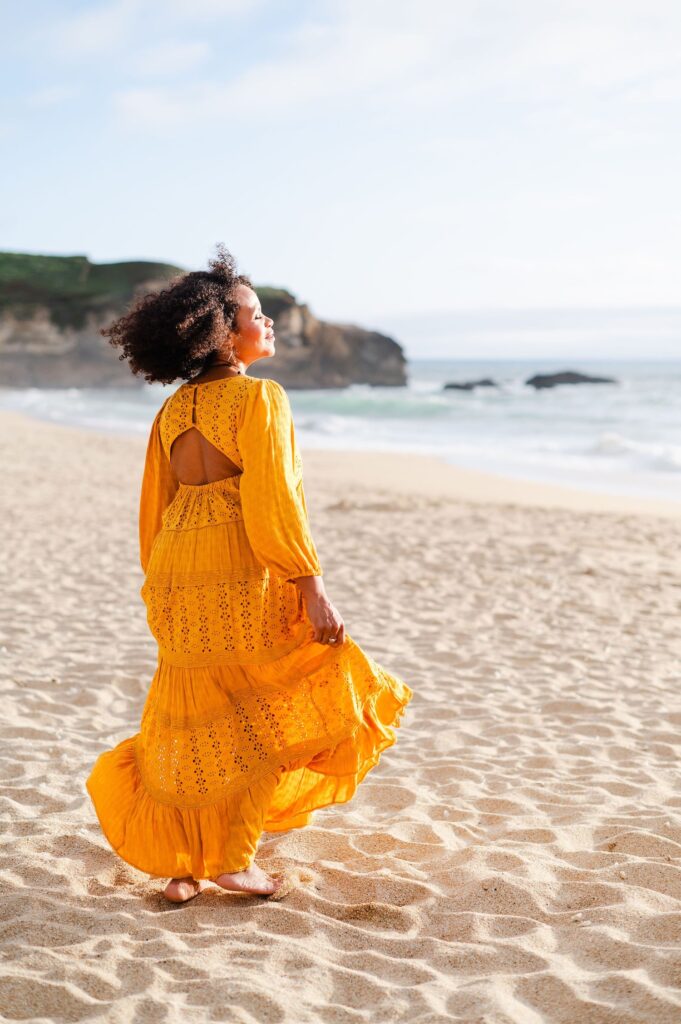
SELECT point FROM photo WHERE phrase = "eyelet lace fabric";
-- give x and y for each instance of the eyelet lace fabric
(248, 724)
(209, 601)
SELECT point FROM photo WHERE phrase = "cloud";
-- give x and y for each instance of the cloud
(51, 96)
(108, 27)
(563, 61)
(320, 62)
(211, 8)
(96, 30)
(153, 107)
(169, 57)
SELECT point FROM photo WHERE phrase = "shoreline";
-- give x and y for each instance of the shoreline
(436, 478)
(394, 472)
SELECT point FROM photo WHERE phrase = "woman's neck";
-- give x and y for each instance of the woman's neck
(219, 371)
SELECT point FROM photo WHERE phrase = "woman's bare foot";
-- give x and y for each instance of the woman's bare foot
(179, 890)
(253, 879)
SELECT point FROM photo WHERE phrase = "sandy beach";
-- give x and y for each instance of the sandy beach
(515, 857)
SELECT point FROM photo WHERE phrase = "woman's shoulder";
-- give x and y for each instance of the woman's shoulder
(269, 384)
(265, 403)
(269, 390)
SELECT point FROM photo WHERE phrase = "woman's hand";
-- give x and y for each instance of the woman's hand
(326, 619)
(324, 616)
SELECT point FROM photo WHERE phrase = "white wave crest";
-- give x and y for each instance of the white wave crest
(644, 454)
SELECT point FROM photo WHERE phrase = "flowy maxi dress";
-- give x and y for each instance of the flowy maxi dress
(249, 724)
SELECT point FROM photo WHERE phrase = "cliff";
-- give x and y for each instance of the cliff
(51, 309)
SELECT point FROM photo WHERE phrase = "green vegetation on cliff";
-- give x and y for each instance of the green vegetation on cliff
(71, 288)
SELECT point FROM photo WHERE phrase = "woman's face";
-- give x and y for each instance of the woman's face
(253, 337)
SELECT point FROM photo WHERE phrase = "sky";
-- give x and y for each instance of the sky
(473, 177)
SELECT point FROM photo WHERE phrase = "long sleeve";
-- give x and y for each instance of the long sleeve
(159, 486)
(271, 485)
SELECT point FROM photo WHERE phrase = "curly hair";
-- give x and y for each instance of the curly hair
(178, 332)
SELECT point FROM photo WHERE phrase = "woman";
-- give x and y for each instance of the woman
(261, 708)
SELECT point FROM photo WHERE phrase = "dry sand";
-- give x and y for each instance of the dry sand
(515, 857)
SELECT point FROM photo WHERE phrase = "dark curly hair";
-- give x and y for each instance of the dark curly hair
(178, 332)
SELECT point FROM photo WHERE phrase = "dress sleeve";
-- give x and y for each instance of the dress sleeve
(271, 485)
(159, 486)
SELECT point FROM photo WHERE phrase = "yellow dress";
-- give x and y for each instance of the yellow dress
(249, 724)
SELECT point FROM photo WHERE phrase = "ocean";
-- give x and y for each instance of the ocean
(622, 438)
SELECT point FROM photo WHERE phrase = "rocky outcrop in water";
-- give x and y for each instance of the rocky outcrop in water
(52, 307)
(470, 385)
(551, 380)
